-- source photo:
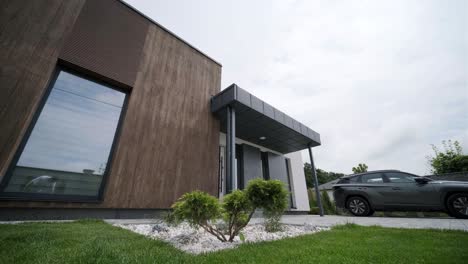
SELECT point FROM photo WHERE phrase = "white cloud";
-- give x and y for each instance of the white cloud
(379, 80)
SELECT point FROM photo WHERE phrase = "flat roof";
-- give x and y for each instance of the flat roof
(168, 31)
(256, 119)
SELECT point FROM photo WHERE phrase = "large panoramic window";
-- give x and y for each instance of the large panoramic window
(68, 149)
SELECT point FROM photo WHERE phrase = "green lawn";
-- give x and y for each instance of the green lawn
(98, 242)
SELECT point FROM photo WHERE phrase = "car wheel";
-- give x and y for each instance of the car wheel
(359, 206)
(457, 205)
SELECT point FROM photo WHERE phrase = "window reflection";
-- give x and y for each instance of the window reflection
(70, 144)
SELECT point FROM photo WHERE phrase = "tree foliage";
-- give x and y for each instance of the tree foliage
(360, 168)
(328, 206)
(272, 197)
(322, 176)
(205, 211)
(450, 159)
(238, 211)
(198, 209)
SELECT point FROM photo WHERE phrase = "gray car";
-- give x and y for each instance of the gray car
(392, 190)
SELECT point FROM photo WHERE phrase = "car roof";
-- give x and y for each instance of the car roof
(369, 172)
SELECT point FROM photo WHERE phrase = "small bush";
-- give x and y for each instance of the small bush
(312, 199)
(267, 194)
(198, 209)
(314, 211)
(238, 211)
(203, 210)
(328, 206)
(272, 221)
(271, 196)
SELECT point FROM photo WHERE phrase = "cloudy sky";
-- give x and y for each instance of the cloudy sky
(76, 128)
(379, 80)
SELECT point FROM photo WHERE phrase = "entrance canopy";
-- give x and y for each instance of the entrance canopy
(244, 116)
(260, 123)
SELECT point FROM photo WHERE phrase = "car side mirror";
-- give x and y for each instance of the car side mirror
(421, 180)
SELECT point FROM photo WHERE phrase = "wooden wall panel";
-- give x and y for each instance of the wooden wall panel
(169, 138)
(31, 36)
(107, 39)
(169, 143)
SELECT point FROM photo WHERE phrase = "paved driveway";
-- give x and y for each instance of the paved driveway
(438, 223)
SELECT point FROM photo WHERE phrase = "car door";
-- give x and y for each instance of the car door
(373, 186)
(405, 191)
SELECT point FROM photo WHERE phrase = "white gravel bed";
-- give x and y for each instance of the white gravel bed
(199, 241)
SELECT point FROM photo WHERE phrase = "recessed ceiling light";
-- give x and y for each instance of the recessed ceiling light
(262, 138)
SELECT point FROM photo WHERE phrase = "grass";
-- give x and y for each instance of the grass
(97, 242)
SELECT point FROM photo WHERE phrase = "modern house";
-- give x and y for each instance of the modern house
(105, 113)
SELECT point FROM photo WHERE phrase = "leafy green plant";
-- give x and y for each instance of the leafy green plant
(360, 168)
(328, 206)
(272, 221)
(242, 237)
(200, 209)
(271, 196)
(267, 194)
(238, 211)
(314, 211)
(451, 159)
(312, 198)
(322, 175)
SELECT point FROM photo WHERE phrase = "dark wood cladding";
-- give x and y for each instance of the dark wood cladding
(169, 143)
(169, 140)
(107, 39)
(31, 36)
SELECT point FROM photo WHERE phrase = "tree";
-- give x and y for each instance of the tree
(308, 175)
(451, 159)
(360, 168)
(322, 176)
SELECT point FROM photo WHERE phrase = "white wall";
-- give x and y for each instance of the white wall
(298, 181)
(301, 199)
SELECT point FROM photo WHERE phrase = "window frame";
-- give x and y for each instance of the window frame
(240, 167)
(22, 196)
(291, 187)
(265, 165)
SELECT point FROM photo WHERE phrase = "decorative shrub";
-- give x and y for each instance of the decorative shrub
(238, 211)
(272, 221)
(267, 194)
(196, 207)
(312, 198)
(271, 196)
(200, 209)
(328, 206)
(314, 211)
